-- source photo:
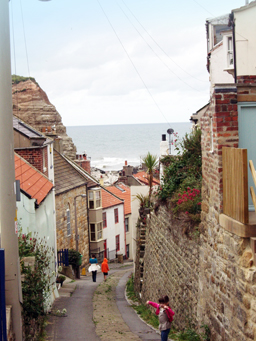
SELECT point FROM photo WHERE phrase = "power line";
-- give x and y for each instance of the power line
(132, 62)
(157, 54)
(160, 47)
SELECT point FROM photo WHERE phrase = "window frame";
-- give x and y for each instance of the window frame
(94, 199)
(104, 220)
(117, 242)
(116, 217)
(126, 222)
(98, 232)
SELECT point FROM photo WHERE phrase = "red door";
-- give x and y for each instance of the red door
(105, 248)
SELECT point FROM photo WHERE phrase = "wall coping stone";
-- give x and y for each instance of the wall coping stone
(238, 228)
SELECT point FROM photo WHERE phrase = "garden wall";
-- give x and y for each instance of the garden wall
(171, 265)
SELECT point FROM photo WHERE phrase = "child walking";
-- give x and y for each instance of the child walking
(165, 315)
(105, 268)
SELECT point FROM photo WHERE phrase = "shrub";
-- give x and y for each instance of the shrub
(73, 257)
(36, 285)
(181, 182)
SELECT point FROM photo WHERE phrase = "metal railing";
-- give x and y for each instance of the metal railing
(63, 257)
(3, 330)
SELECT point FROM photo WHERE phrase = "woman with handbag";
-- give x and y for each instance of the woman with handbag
(93, 267)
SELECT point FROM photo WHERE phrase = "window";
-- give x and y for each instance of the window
(118, 242)
(93, 234)
(127, 251)
(94, 198)
(228, 51)
(96, 232)
(116, 215)
(68, 222)
(104, 218)
(126, 224)
(230, 61)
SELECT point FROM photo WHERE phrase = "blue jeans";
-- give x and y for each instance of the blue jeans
(164, 334)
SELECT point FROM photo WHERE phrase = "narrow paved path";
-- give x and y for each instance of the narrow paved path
(98, 311)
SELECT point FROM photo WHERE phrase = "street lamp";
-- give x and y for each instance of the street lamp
(77, 236)
(170, 131)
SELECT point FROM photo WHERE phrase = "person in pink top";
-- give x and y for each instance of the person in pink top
(165, 315)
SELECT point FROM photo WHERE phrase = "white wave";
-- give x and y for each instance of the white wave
(113, 163)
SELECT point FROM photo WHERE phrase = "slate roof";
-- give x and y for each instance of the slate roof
(27, 130)
(32, 182)
(109, 200)
(142, 177)
(123, 192)
(68, 175)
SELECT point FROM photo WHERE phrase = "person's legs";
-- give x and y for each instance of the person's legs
(164, 334)
(94, 276)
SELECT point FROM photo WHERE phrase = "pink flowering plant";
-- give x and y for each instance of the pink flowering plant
(188, 202)
(182, 178)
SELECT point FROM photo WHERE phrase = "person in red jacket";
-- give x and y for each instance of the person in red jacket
(105, 268)
(165, 315)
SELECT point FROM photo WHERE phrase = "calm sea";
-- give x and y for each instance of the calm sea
(108, 146)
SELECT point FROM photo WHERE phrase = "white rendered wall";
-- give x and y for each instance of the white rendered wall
(112, 230)
(218, 75)
(135, 205)
(245, 29)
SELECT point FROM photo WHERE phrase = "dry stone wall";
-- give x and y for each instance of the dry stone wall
(171, 266)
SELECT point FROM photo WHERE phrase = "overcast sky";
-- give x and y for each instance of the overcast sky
(116, 61)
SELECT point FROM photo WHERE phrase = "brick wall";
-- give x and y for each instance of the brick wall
(171, 266)
(35, 157)
(63, 240)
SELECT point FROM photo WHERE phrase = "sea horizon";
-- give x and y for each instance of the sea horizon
(109, 146)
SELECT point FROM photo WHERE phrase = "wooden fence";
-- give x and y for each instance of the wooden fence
(235, 183)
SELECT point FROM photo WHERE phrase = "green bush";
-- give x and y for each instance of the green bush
(17, 79)
(183, 176)
(36, 285)
(73, 257)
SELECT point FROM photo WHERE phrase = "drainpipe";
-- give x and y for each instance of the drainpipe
(232, 23)
(9, 239)
(124, 236)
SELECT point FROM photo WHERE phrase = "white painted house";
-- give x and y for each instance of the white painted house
(113, 224)
(35, 209)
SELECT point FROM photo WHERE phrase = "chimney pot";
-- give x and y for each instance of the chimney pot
(125, 163)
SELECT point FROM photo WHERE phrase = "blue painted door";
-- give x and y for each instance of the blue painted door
(247, 137)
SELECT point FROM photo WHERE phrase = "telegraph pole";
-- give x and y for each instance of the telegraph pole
(9, 239)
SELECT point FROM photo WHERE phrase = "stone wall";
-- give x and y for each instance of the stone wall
(227, 278)
(69, 242)
(171, 265)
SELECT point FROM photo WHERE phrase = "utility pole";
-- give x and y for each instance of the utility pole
(9, 239)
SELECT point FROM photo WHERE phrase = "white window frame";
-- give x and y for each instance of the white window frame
(94, 196)
(228, 51)
(98, 231)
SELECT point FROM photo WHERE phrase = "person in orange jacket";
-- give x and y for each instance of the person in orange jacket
(105, 268)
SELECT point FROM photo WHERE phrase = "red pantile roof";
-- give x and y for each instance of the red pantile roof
(143, 177)
(123, 192)
(109, 200)
(34, 183)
